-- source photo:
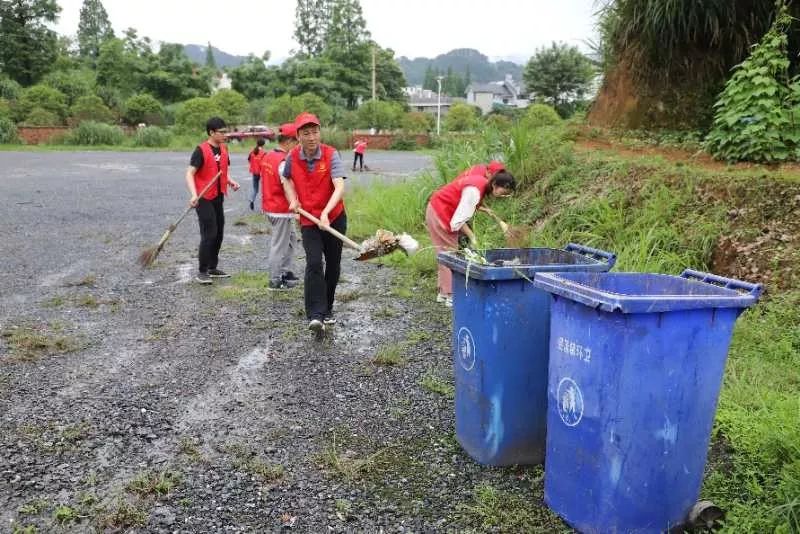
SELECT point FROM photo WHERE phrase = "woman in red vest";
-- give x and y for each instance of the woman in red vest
(254, 161)
(360, 147)
(314, 180)
(209, 159)
(282, 240)
(450, 209)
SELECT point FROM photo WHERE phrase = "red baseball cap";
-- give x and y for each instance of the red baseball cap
(287, 130)
(495, 167)
(305, 118)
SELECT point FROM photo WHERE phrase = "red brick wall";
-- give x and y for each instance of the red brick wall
(33, 135)
(384, 141)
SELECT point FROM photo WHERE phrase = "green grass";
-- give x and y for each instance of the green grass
(249, 287)
(436, 384)
(156, 483)
(29, 343)
(492, 508)
(759, 418)
(389, 356)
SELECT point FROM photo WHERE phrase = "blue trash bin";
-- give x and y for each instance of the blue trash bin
(500, 348)
(636, 363)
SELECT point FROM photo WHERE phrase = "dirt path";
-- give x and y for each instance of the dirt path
(141, 402)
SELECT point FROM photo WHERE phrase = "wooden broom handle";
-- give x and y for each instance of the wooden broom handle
(346, 240)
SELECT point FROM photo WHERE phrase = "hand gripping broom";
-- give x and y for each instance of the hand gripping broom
(148, 256)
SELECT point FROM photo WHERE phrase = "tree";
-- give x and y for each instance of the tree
(232, 104)
(417, 122)
(193, 114)
(255, 80)
(28, 47)
(73, 83)
(380, 115)
(143, 108)
(389, 76)
(311, 26)
(91, 108)
(429, 82)
(94, 29)
(461, 117)
(117, 67)
(41, 96)
(558, 73)
(211, 63)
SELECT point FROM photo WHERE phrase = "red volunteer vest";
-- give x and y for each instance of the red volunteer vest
(444, 200)
(314, 188)
(255, 161)
(273, 199)
(209, 169)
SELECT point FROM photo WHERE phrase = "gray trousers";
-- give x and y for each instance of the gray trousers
(282, 241)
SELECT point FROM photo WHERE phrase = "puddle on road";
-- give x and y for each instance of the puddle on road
(120, 167)
(242, 240)
(184, 273)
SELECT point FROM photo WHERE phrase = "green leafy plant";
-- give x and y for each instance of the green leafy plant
(95, 133)
(152, 136)
(752, 121)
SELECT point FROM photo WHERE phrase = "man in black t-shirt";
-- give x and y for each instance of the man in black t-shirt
(210, 161)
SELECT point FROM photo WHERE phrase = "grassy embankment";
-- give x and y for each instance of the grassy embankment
(658, 216)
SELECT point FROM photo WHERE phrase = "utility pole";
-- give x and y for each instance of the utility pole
(373, 73)
(439, 105)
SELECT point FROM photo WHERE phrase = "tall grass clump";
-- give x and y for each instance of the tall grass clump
(152, 136)
(336, 138)
(90, 133)
(757, 478)
(8, 131)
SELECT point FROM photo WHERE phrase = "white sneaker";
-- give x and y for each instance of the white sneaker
(447, 300)
(440, 298)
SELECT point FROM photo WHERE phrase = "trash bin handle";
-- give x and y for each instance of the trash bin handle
(729, 283)
(594, 253)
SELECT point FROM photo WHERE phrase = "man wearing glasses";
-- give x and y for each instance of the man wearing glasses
(209, 159)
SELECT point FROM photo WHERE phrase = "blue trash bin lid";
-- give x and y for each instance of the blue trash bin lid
(650, 293)
(517, 263)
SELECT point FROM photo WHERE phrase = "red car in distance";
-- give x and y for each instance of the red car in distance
(251, 132)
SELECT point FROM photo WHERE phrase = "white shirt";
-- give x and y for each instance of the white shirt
(470, 197)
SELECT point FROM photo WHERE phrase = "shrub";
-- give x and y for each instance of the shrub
(336, 138)
(500, 122)
(96, 133)
(41, 96)
(41, 117)
(9, 89)
(403, 142)
(5, 108)
(539, 115)
(417, 122)
(193, 114)
(8, 131)
(285, 108)
(460, 118)
(232, 104)
(91, 108)
(143, 108)
(74, 84)
(380, 115)
(152, 136)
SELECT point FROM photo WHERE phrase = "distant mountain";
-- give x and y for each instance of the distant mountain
(197, 53)
(481, 69)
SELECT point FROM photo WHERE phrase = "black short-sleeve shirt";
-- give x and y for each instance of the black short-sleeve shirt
(196, 160)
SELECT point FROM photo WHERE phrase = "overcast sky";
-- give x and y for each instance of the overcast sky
(498, 28)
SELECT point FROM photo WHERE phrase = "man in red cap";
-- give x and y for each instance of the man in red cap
(314, 180)
(273, 201)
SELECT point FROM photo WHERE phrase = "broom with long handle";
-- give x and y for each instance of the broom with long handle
(148, 256)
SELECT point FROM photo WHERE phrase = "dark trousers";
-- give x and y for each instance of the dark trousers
(321, 281)
(358, 158)
(211, 216)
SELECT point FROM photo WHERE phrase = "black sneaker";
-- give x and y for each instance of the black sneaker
(216, 273)
(329, 320)
(316, 326)
(203, 278)
(252, 207)
(277, 285)
(289, 276)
